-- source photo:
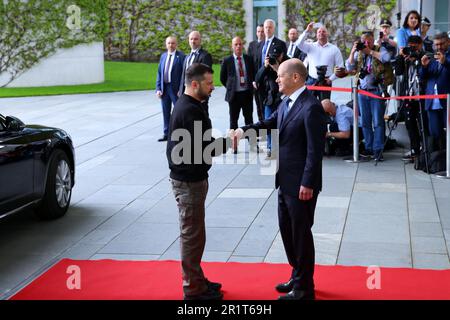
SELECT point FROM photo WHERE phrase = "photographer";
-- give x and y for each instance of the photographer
(322, 58)
(385, 39)
(407, 66)
(436, 72)
(339, 128)
(266, 81)
(371, 64)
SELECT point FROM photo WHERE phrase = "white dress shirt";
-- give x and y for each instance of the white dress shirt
(170, 66)
(327, 55)
(294, 96)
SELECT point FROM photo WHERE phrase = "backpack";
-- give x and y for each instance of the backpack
(436, 162)
(383, 72)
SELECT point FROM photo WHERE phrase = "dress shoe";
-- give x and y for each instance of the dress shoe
(285, 287)
(216, 286)
(209, 294)
(163, 138)
(299, 295)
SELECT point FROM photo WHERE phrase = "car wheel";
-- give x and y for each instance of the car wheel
(58, 190)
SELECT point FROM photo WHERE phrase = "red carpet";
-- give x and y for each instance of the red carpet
(161, 280)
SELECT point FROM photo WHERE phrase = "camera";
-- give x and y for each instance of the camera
(360, 46)
(272, 59)
(363, 73)
(321, 73)
(412, 52)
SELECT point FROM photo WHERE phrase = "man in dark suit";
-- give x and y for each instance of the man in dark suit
(436, 74)
(301, 122)
(168, 80)
(271, 44)
(253, 52)
(197, 55)
(237, 75)
(292, 50)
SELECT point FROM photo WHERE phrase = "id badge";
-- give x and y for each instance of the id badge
(242, 80)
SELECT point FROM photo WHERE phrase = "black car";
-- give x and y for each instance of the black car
(37, 169)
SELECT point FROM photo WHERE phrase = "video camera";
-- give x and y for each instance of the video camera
(321, 74)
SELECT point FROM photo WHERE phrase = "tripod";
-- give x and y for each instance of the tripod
(413, 88)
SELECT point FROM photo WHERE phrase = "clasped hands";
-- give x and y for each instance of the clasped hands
(235, 135)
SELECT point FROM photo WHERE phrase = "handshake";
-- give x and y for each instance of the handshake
(235, 135)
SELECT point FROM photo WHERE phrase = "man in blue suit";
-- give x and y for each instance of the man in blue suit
(301, 122)
(168, 80)
(436, 73)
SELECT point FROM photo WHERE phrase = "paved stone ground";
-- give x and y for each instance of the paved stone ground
(122, 206)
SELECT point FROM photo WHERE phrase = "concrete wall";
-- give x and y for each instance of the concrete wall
(82, 64)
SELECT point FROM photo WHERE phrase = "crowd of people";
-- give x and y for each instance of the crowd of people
(276, 75)
(410, 63)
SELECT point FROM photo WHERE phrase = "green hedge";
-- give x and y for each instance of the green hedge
(138, 29)
(35, 29)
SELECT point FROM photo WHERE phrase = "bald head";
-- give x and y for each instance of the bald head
(329, 107)
(195, 40)
(322, 35)
(237, 46)
(292, 75)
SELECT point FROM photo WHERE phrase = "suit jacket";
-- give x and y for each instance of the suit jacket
(436, 74)
(229, 76)
(276, 46)
(202, 56)
(175, 74)
(301, 143)
(299, 54)
(253, 52)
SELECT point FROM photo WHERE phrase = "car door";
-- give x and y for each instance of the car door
(16, 169)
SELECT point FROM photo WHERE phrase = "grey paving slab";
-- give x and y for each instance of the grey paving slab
(429, 245)
(377, 228)
(367, 253)
(125, 257)
(380, 203)
(223, 239)
(423, 212)
(329, 220)
(426, 229)
(116, 194)
(245, 259)
(337, 187)
(143, 238)
(233, 212)
(431, 261)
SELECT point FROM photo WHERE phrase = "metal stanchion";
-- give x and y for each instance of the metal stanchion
(446, 174)
(355, 158)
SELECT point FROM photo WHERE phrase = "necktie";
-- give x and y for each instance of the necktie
(264, 52)
(166, 70)
(285, 110)
(241, 72)
(291, 50)
(191, 59)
